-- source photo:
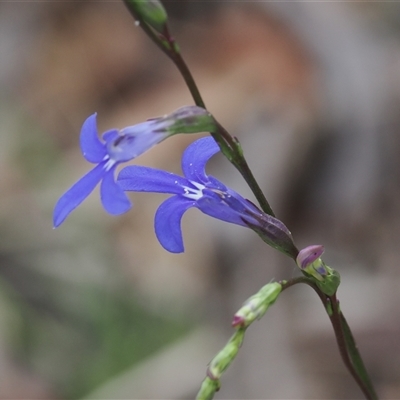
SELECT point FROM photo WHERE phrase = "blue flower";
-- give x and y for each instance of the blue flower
(118, 146)
(197, 189)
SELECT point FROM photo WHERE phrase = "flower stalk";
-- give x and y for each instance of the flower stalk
(196, 189)
(344, 337)
(253, 309)
(229, 145)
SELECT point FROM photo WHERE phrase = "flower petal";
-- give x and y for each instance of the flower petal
(211, 205)
(143, 179)
(113, 198)
(92, 148)
(126, 147)
(196, 156)
(110, 135)
(76, 194)
(168, 223)
(141, 128)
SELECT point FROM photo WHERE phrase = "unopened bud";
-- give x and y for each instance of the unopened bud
(152, 12)
(256, 306)
(224, 358)
(309, 260)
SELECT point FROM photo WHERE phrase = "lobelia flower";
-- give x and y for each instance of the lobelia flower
(120, 146)
(209, 195)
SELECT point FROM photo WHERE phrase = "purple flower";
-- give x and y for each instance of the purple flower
(196, 189)
(118, 146)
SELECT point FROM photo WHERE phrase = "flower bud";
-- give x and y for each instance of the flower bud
(224, 358)
(256, 306)
(151, 12)
(309, 260)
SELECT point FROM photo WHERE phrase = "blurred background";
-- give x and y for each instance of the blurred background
(97, 309)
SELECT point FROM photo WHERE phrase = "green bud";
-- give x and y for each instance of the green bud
(224, 358)
(256, 306)
(152, 12)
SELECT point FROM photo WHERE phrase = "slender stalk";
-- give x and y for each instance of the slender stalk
(344, 338)
(337, 325)
(187, 76)
(241, 165)
(354, 358)
(230, 146)
(167, 45)
(233, 151)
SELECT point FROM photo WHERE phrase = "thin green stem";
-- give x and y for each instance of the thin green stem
(187, 76)
(295, 281)
(232, 149)
(344, 350)
(344, 338)
(307, 281)
(166, 43)
(347, 339)
(237, 159)
(230, 146)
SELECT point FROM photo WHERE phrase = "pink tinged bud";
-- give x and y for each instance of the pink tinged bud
(309, 260)
(309, 255)
(238, 321)
(256, 306)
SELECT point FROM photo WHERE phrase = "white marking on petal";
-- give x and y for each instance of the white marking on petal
(109, 164)
(198, 185)
(194, 194)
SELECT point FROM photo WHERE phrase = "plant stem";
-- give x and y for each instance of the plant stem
(344, 338)
(233, 151)
(230, 146)
(187, 76)
(167, 45)
(237, 159)
(349, 352)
